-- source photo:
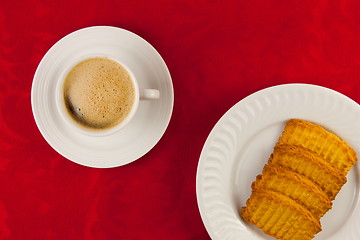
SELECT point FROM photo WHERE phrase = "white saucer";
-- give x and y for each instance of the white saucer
(241, 142)
(150, 121)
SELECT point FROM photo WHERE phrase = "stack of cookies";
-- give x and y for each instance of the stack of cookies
(303, 175)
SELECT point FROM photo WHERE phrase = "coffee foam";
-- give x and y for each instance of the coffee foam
(99, 93)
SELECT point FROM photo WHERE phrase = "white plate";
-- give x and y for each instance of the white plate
(150, 121)
(241, 142)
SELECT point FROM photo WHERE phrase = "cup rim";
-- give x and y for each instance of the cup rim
(70, 122)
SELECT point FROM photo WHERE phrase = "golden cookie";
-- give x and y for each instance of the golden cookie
(315, 138)
(304, 174)
(296, 186)
(311, 165)
(280, 216)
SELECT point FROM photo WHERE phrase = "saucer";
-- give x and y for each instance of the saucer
(151, 119)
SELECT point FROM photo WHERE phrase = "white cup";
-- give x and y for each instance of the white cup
(140, 94)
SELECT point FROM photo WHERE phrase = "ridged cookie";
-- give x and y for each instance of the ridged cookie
(315, 138)
(303, 175)
(280, 216)
(296, 186)
(311, 165)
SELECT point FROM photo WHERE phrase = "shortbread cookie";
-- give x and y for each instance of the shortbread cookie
(280, 216)
(311, 165)
(296, 186)
(315, 138)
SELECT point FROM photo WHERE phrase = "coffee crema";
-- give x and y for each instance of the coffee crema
(99, 93)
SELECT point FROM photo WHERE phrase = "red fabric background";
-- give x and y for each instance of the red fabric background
(218, 52)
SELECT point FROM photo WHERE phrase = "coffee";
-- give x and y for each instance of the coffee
(99, 93)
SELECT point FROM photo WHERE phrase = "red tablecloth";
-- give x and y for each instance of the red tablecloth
(218, 52)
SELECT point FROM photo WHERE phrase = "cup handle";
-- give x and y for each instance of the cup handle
(149, 94)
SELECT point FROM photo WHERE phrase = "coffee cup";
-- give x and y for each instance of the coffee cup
(99, 95)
